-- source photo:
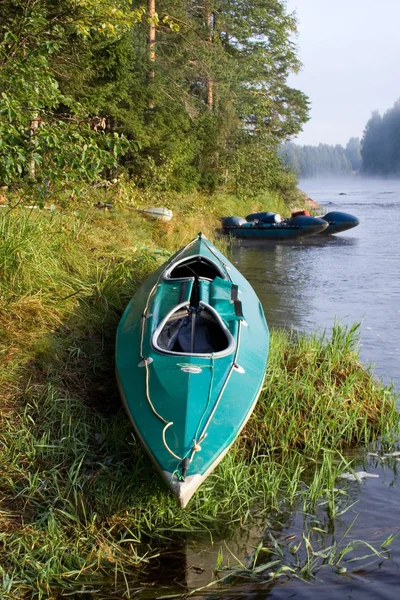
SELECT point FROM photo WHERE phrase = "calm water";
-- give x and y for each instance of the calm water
(307, 285)
(351, 277)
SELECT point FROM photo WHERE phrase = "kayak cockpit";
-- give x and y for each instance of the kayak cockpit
(193, 331)
(196, 326)
(194, 266)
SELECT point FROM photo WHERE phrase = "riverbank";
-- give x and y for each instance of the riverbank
(80, 503)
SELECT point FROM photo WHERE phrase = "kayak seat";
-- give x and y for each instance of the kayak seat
(204, 290)
(171, 294)
(196, 332)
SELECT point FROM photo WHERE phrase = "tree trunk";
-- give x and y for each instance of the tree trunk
(210, 84)
(34, 125)
(151, 13)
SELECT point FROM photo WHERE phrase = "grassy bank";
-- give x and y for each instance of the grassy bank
(79, 501)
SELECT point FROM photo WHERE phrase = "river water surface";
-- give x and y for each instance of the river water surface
(351, 277)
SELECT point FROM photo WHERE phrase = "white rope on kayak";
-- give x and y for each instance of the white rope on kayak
(146, 364)
(198, 439)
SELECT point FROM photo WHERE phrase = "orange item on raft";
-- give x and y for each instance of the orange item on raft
(301, 213)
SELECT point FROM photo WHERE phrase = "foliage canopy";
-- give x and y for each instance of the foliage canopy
(81, 91)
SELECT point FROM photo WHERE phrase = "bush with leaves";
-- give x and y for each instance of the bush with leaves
(45, 134)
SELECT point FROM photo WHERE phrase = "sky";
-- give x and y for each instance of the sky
(350, 50)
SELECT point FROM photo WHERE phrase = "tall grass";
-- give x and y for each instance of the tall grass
(319, 395)
(80, 504)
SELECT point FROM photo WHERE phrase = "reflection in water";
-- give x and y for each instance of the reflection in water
(303, 540)
(287, 278)
(309, 542)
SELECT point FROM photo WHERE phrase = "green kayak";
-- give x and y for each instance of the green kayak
(191, 353)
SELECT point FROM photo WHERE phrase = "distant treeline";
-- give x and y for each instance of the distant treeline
(381, 143)
(323, 160)
(378, 152)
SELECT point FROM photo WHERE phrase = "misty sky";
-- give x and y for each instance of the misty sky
(350, 50)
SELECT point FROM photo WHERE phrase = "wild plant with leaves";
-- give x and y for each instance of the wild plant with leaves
(44, 133)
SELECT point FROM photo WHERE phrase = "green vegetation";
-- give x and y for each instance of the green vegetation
(319, 395)
(80, 504)
(46, 134)
(175, 95)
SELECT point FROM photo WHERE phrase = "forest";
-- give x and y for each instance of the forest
(170, 95)
(376, 154)
(323, 160)
(381, 143)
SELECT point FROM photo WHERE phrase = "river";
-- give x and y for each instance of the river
(351, 277)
